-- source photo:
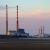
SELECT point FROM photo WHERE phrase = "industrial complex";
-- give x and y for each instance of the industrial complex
(20, 39)
(19, 32)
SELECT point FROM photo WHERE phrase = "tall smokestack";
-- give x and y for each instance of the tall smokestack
(6, 19)
(39, 32)
(17, 22)
(43, 30)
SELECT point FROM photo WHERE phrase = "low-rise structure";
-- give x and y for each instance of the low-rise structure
(20, 33)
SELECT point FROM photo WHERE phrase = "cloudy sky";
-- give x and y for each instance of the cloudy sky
(32, 15)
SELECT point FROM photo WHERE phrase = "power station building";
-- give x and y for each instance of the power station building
(18, 32)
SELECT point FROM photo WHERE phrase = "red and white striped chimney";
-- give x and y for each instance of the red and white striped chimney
(17, 22)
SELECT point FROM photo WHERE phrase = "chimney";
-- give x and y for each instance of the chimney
(39, 32)
(17, 22)
(6, 19)
(43, 30)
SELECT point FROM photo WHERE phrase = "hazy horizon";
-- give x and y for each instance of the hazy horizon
(32, 15)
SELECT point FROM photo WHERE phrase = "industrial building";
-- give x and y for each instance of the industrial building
(18, 32)
(41, 34)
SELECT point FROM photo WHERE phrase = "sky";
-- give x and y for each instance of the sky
(32, 15)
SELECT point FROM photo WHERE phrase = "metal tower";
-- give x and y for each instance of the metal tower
(6, 19)
(17, 22)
